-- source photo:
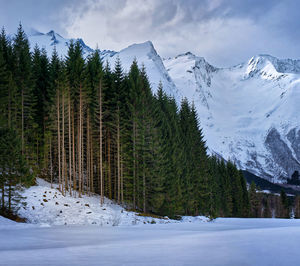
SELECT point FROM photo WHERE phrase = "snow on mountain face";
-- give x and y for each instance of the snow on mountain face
(248, 112)
(52, 39)
(146, 55)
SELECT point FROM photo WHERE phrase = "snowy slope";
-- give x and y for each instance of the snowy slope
(47, 206)
(52, 39)
(146, 55)
(249, 112)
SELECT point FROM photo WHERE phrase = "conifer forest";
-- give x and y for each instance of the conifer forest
(93, 128)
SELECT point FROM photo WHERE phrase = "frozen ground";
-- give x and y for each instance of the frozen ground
(47, 206)
(222, 242)
(78, 231)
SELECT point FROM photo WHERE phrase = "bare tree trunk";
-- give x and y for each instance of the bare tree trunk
(118, 156)
(92, 165)
(82, 153)
(3, 192)
(121, 170)
(88, 153)
(63, 145)
(73, 152)
(9, 108)
(70, 144)
(134, 165)
(144, 174)
(22, 133)
(58, 141)
(9, 192)
(51, 163)
(144, 188)
(78, 158)
(100, 147)
(109, 167)
(79, 146)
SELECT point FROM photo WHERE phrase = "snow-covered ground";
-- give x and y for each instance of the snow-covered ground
(221, 242)
(47, 206)
(65, 230)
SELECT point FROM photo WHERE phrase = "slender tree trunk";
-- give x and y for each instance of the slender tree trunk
(65, 173)
(82, 153)
(118, 157)
(144, 186)
(58, 141)
(109, 167)
(51, 163)
(134, 165)
(79, 156)
(3, 192)
(100, 147)
(115, 170)
(143, 155)
(63, 145)
(92, 165)
(22, 133)
(9, 108)
(9, 193)
(122, 183)
(80, 144)
(70, 144)
(73, 153)
(88, 153)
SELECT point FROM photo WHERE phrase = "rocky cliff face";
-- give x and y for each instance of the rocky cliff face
(284, 154)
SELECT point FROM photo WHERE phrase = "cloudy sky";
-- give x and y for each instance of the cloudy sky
(225, 32)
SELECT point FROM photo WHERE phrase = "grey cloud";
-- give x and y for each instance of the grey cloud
(224, 31)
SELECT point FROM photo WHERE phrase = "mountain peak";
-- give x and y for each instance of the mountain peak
(51, 32)
(261, 61)
(148, 45)
(139, 50)
(50, 39)
(187, 54)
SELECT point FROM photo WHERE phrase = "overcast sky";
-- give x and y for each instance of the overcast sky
(225, 32)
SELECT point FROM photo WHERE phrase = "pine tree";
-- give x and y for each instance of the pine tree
(100, 130)
(285, 204)
(25, 97)
(13, 167)
(40, 72)
(254, 201)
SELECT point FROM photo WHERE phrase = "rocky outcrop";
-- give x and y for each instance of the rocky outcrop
(281, 153)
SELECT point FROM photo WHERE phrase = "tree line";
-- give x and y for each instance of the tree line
(93, 128)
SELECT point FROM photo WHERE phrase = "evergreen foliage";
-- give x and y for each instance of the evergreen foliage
(93, 128)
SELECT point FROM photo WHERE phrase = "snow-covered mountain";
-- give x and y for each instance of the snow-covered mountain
(249, 112)
(52, 39)
(146, 55)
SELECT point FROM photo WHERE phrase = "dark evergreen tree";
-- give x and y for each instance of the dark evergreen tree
(94, 129)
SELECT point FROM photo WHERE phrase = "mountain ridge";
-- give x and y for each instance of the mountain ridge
(248, 111)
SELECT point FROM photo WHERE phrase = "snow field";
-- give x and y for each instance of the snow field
(232, 242)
